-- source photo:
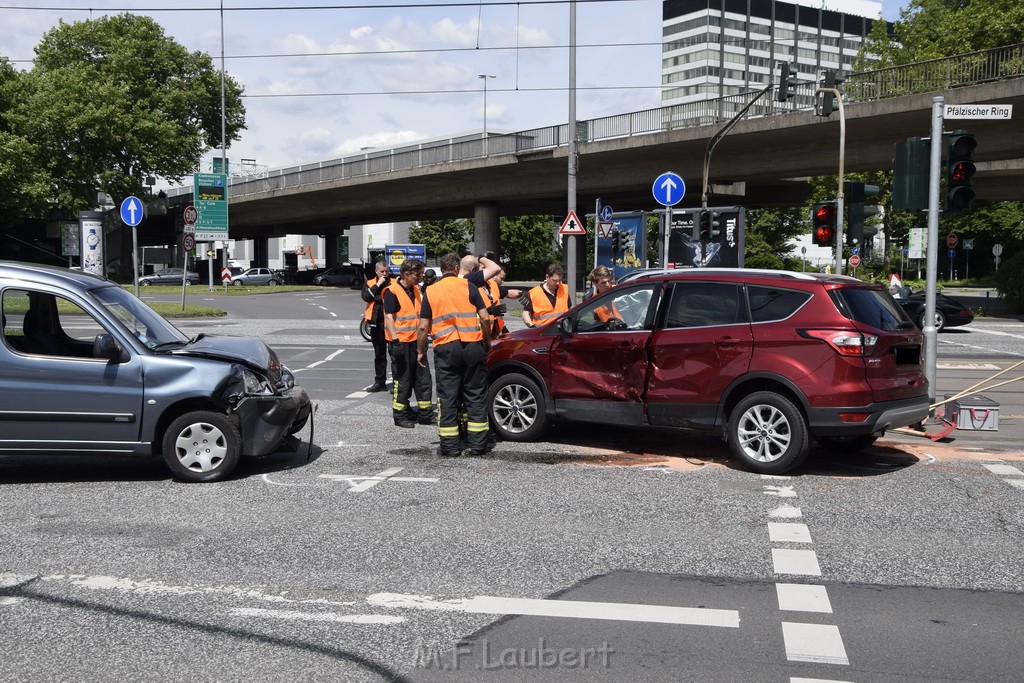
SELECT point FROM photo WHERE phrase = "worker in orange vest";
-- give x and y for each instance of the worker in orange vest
(454, 314)
(374, 314)
(493, 292)
(402, 305)
(548, 300)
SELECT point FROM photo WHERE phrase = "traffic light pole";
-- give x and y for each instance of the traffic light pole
(718, 137)
(840, 237)
(931, 341)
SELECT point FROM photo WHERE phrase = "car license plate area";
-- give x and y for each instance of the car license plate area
(907, 355)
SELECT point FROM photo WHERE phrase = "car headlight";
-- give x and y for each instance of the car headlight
(254, 384)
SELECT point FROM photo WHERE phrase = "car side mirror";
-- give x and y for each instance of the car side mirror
(567, 325)
(105, 346)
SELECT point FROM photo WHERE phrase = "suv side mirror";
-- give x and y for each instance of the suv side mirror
(567, 325)
(105, 346)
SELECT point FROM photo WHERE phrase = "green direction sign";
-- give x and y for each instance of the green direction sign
(211, 201)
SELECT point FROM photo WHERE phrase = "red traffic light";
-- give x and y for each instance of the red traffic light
(962, 171)
(824, 236)
(825, 213)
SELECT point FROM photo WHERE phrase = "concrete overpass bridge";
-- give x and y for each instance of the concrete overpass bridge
(764, 160)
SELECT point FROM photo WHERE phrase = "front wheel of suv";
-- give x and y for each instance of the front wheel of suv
(517, 408)
(768, 434)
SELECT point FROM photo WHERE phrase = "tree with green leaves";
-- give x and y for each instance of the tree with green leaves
(24, 185)
(528, 245)
(442, 236)
(111, 101)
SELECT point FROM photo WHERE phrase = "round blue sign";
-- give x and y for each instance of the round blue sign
(952, 253)
(131, 211)
(606, 213)
(668, 189)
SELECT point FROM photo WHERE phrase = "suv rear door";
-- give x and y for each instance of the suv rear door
(702, 344)
(893, 367)
(599, 368)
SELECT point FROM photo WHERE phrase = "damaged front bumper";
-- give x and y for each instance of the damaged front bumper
(265, 420)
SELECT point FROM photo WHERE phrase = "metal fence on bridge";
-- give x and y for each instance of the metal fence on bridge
(934, 75)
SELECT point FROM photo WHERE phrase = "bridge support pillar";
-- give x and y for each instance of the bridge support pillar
(261, 252)
(485, 228)
(330, 250)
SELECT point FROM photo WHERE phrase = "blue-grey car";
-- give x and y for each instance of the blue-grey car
(86, 367)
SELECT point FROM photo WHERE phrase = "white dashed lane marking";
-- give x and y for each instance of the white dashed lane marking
(799, 562)
(788, 532)
(818, 643)
(800, 597)
(1008, 470)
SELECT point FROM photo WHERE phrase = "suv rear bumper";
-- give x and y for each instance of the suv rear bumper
(882, 416)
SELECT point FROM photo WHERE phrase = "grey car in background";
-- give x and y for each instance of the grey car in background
(169, 276)
(88, 368)
(351, 276)
(257, 276)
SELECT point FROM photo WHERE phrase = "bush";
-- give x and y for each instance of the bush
(1010, 283)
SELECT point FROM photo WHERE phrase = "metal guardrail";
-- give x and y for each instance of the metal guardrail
(936, 75)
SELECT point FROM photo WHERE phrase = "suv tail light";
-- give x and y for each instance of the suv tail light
(845, 342)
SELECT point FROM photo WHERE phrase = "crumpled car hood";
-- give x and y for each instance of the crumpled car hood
(252, 351)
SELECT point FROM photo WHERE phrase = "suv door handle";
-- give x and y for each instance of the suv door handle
(726, 341)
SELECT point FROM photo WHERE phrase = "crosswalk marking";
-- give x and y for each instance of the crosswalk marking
(788, 532)
(800, 597)
(802, 562)
(818, 643)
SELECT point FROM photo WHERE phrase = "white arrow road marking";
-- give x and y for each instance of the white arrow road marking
(612, 611)
(368, 482)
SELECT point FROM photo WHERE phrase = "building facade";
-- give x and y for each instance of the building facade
(714, 49)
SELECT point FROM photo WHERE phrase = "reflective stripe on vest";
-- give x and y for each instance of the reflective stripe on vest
(454, 316)
(408, 316)
(543, 312)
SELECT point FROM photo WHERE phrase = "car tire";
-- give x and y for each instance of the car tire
(144, 283)
(364, 329)
(272, 283)
(202, 446)
(188, 283)
(356, 283)
(517, 408)
(940, 321)
(847, 444)
(236, 283)
(768, 434)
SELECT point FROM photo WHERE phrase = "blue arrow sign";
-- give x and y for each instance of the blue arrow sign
(952, 253)
(131, 211)
(668, 189)
(606, 213)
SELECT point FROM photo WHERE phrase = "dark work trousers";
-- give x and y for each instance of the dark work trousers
(380, 354)
(407, 376)
(460, 371)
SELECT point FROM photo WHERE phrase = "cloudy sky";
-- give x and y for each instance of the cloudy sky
(326, 78)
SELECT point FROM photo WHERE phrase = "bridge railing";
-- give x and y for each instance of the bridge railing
(921, 77)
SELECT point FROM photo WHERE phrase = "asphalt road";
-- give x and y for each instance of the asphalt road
(600, 555)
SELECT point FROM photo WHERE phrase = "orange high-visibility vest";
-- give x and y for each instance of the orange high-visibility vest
(543, 312)
(491, 293)
(454, 317)
(408, 315)
(368, 313)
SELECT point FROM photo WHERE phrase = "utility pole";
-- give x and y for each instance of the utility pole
(570, 252)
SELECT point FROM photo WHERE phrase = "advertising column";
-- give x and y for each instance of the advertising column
(90, 226)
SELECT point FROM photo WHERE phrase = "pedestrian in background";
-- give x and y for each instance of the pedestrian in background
(548, 300)
(402, 304)
(374, 315)
(453, 312)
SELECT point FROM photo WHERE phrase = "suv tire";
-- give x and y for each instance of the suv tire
(202, 446)
(768, 434)
(517, 408)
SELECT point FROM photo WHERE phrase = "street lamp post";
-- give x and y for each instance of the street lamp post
(485, 77)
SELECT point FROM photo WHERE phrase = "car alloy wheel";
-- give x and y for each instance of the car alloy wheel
(767, 433)
(516, 406)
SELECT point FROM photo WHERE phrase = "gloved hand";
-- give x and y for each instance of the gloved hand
(497, 309)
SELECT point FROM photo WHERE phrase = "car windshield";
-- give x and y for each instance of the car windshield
(138, 318)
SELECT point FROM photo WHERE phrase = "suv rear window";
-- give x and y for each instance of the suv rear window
(871, 307)
(771, 303)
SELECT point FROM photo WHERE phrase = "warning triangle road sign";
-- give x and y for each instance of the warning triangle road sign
(572, 225)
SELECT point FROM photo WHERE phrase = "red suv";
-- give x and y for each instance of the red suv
(769, 359)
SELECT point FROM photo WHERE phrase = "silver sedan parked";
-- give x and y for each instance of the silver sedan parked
(257, 276)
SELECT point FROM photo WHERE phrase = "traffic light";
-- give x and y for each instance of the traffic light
(616, 241)
(857, 195)
(787, 80)
(910, 175)
(824, 99)
(708, 225)
(823, 224)
(960, 171)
